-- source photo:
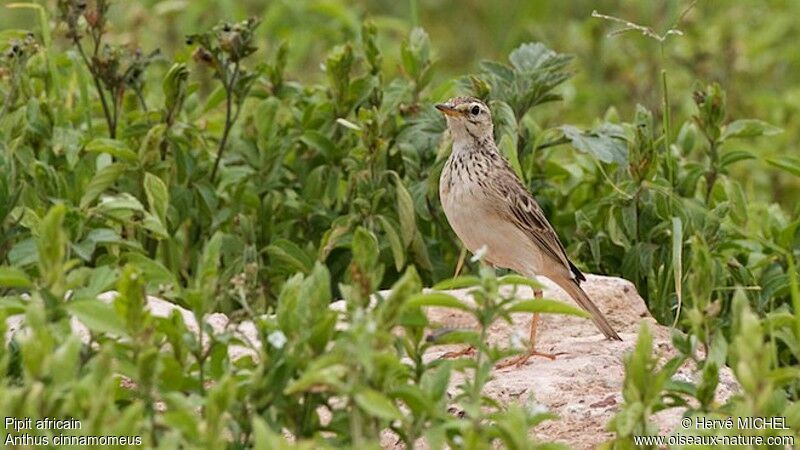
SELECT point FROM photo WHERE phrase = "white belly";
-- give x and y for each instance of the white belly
(475, 222)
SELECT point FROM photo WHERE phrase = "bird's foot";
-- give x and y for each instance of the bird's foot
(466, 351)
(521, 360)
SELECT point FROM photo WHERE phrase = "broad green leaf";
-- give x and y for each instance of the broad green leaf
(519, 279)
(208, 266)
(420, 252)
(318, 376)
(12, 277)
(24, 253)
(377, 404)
(101, 181)
(436, 299)
(102, 236)
(415, 398)
(746, 128)
(530, 56)
(11, 306)
(154, 224)
(288, 253)
(547, 306)
(154, 271)
(602, 144)
(120, 202)
(461, 282)
(113, 147)
(734, 156)
(97, 315)
(396, 245)
(157, 196)
(508, 148)
(405, 211)
(319, 142)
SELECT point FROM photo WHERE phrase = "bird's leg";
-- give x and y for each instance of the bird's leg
(522, 359)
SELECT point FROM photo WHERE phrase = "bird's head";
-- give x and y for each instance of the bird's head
(467, 118)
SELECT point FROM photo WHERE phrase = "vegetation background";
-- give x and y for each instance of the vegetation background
(326, 188)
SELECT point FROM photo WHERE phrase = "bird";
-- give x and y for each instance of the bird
(493, 213)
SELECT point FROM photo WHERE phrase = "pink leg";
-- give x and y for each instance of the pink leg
(522, 359)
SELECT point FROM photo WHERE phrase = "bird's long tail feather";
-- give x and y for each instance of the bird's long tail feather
(579, 295)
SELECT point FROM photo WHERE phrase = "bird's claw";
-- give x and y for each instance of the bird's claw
(521, 360)
(466, 351)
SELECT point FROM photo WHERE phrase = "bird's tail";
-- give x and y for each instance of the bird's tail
(579, 295)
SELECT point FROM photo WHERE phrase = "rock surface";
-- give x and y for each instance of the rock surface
(582, 385)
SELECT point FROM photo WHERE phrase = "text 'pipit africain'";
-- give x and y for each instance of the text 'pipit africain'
(488, 206)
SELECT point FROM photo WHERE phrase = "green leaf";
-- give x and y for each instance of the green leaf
(153, 271)
(157, 196)
(734, 156)
(97, 315)
(377, 404)
(519, 280)
(677, 262)
(208, 266)
(24, 253)
(461, 282)
(436, 299)
(12, 277)
(531, 56)
(288, 253)
(415, 52)
(154, 224)
(603, 144)
(508, 148)
(449, 336)
(319, 142)
(347, 124)
(747, 128)
(113, 147)
(737, 200)
(790, 164)
(398, 250)
(415, 398)
(121, 202)
(547, 306)
(405, 211)
(101, 181)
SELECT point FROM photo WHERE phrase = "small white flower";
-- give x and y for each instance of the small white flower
(479, 254)
(536, 408)
(515, 339)
(458, 440)
(277, 339)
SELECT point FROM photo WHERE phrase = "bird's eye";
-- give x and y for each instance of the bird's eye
(476, 110)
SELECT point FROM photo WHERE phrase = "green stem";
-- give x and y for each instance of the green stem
(414, 9)
(112, 132)
(229, 119)
(667, 130)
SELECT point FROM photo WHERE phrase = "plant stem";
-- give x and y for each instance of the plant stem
(554, 143)
(112, 131)
(229, 119)
(667, 131)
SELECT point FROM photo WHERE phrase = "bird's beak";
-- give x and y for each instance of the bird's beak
(447, 109)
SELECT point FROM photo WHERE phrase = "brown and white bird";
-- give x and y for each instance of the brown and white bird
(488, 207)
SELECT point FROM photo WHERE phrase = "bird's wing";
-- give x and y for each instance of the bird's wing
(521, 208)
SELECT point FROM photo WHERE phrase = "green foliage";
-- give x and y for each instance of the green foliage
(225, 185)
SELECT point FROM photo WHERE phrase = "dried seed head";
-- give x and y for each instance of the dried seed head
(203, 56)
